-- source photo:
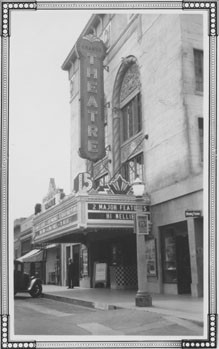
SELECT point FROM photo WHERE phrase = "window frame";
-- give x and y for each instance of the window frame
(198, 56)
(133, 102)
(169, 264)
(126, 166)
(201, 137)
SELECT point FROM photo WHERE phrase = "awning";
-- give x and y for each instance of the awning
(32, 256)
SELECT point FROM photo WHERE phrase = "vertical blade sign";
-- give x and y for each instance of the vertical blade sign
(91, 52)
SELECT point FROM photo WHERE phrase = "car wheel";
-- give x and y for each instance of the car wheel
(36, 290)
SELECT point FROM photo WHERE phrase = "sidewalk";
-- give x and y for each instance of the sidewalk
(184, 307)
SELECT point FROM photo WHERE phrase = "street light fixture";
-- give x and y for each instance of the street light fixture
(142, 298)
(138, 188)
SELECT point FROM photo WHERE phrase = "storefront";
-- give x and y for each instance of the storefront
(179, 235)
(53, 264)
(34, 262)
(97, 232)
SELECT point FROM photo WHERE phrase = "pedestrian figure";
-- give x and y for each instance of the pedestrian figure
(70, 274)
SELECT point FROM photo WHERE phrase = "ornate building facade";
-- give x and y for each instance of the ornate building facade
(153, 126)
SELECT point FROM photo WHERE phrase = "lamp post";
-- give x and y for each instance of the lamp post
(142, 298)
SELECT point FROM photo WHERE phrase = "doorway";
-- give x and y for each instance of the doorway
(183, 264)
(76, 258)
(176, 257)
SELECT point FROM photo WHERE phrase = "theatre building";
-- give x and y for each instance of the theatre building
(136, 108)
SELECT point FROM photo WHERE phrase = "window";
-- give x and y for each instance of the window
(25, 246)
(198, 61)
(169, 257)
(201, 133)
(133, 167)
(131, 118)
(102, 181)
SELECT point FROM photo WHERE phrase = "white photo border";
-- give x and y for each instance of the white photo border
(5, 10)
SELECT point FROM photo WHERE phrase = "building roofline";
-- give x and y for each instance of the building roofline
(73, 53)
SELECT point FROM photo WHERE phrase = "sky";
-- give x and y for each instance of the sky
(39, 109)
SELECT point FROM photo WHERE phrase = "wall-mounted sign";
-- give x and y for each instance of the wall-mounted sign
(193, 213)
(142, 224)
(91, 52)
(82, 182)
(53, 197)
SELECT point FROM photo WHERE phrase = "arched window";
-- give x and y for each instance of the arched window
(131, 122)
(127, 119)
(130, 103)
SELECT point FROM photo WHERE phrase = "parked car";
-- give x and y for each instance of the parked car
(23, 282)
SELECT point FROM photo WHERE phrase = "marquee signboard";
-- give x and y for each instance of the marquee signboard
(115, 207)
(115, 211)
(91, 52)
(111, 215)
(57, 220)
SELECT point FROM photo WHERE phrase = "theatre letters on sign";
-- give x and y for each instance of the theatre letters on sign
(91, 51)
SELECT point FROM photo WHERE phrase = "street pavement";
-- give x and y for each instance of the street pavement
(180, 306)
(43, 316)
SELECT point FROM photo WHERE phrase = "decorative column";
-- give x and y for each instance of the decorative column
(196, 286)
(116, 139)
(143, 298)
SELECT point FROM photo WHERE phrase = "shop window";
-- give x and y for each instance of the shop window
(200, 128)
(131, 118)
(169, 257)
(83, 261)
(151, 257)
(198, 61)
(133, 167)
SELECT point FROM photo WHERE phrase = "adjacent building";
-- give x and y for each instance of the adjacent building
(17, 234)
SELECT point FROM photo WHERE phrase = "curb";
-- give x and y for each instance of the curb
(105, 306)
(83, 303)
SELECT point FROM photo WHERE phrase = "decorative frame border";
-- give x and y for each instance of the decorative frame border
(5, 10)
